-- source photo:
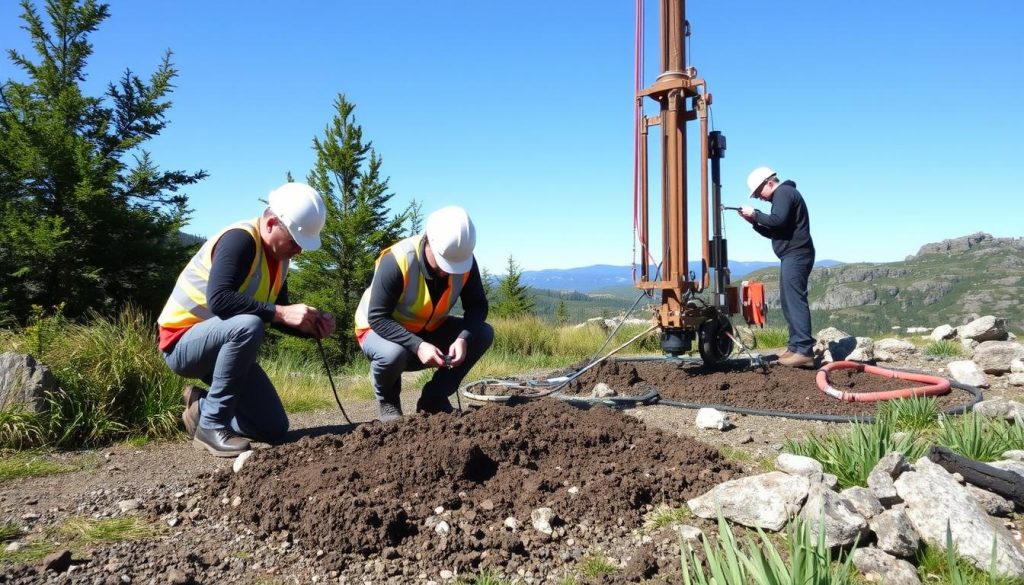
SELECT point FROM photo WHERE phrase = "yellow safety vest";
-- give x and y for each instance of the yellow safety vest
(416, 311)
(187, 304)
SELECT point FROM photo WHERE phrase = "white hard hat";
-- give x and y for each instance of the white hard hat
(302, 211)
(757, 178)
(452, 237)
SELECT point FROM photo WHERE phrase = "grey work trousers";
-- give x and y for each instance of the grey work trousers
(793, 275)
(222, 353)
(388, 360)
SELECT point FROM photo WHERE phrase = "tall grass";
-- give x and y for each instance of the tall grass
(852, 456)
(727, 561)
(112, 381)
(980, 438)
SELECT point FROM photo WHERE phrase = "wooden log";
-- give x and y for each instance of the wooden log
(1000, 481)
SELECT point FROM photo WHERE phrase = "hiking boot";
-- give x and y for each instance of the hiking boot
(797, 360)
(190, 396)
(388, 411)
(220, 442)
(785, 354)
(433, 404)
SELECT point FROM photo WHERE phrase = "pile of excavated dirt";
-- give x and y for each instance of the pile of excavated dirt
(457, 492)
(736, 384)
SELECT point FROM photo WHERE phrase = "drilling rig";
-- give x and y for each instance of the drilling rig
(692, 306)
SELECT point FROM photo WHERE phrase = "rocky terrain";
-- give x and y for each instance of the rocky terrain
(952, 281)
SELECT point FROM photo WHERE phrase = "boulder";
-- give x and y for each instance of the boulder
(825, 509)
(764, 501)
(996, 357)
(24, 382)
(935, 502)
(879, 566)
(987, 328)
(892, 349)
(968, 372)
(942, 332)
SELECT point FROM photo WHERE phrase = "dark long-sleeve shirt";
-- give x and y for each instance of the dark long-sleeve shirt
(232, 257)
(388, 285)
(789, 224)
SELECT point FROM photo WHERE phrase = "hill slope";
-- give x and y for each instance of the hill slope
(952, 281)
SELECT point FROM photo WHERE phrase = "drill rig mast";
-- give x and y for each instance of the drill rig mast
(682, 97)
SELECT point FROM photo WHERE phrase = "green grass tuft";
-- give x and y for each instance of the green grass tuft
(597, 566)
(665, 515)
(27, 464)
(89, 530)
(944, 348)
(770, 338)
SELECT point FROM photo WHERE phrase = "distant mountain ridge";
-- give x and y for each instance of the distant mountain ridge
(587, 279)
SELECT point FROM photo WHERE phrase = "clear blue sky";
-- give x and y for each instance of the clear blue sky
(902, 122)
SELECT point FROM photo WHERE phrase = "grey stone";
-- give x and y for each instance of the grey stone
(863, 501)
(877, 565)
(935, 502)
(24, 382)
(895, 534)
(765, 501)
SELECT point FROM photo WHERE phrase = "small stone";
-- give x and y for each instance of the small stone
(236, 501)
(129, 505)
(57, 562)
(446, 574)
(240, 460)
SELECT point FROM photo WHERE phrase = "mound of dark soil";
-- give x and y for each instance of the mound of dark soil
(438, 490)
(780, 389)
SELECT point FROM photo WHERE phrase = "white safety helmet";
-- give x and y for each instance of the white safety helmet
(301, 209)
(757, 178)
(452, 237)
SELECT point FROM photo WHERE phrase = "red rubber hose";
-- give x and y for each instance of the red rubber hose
(936, 386)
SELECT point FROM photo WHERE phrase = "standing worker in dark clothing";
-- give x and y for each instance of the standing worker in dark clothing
(789, 227)
(403, 322)
(213, 323)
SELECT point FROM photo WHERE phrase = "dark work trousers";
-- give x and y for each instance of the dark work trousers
(795, 270)
(388, 360)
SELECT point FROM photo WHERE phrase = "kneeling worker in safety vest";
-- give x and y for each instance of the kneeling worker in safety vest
(213, 324)
(403, 322)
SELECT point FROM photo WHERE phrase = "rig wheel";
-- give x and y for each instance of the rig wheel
(713, 343)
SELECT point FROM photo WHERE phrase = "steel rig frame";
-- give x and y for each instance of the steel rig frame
(683, 97)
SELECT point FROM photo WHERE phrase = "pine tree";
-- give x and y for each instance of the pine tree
(513, 297)
(561, 313)
(87, 218)
(347, 174)
(487, 280)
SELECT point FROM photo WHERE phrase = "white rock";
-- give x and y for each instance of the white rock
(1017, 366)
(968, 372)
(602, 390)
(511, 523)
(798, 465)
(710, 418)
(942, 332)
(766, 501)
(129, 505)
(240, 460)
(541, 519)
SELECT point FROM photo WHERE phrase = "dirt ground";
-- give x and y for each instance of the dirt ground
(435, 498)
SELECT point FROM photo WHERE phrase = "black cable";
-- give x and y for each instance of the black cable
(327, 368)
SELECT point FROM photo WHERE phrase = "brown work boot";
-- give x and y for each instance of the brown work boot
(220, 442)
(785, 354)
(797, 360)
(190, 396)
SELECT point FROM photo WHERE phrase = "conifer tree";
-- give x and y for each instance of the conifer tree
(347, 174)
(87, 218)
(561, 313)
(513, 297)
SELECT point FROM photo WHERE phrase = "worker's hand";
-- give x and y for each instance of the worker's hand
(298, 316)
(458, 352)
(430, 355)
(325, 324)
(747, 212)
